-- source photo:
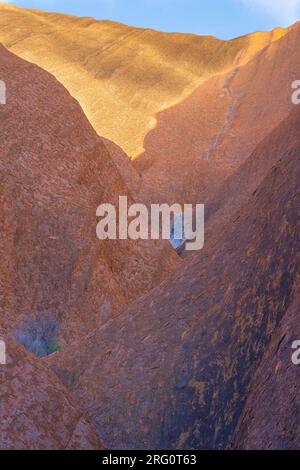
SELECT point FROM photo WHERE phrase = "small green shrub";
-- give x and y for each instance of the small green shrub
(39, 334)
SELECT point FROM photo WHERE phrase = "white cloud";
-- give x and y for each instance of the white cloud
(284, 11)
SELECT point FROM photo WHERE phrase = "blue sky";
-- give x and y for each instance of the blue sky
(222, 18)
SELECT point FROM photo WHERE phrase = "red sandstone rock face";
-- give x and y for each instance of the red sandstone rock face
(198, 143)
(238, 188)
(37, 411)
(183, 357)
(175, 368)
(54, 173)
(271, 416)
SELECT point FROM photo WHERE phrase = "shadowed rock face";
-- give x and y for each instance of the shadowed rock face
(192, 363)
(54, 172)
(242, 184)
(37, 411)
(178, 363)
(204, 139)
(271, 416)
(122, 76)
(190, 108)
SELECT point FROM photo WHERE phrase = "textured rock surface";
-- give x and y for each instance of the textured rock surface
(203, 360)
(199, 142)
(178, 363)
(242, 184)
(122, 76)
(37, 411)
(271, 417)
(54, 173)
